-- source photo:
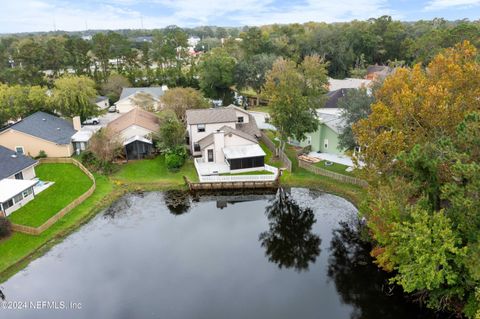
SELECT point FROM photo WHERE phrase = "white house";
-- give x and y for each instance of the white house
(348, 83)
(224, 140)
(14, 193)
(14, 165)
(127, 99)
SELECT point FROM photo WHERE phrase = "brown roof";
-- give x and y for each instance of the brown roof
(136, 116)
(207, 116)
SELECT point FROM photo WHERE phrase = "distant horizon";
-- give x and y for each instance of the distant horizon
(222, 26)
(30, 16)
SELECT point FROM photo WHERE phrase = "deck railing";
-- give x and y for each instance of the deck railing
(241, 178)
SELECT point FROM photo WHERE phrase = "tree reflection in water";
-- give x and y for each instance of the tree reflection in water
(177, 201)
(362, 284)
(290, 242)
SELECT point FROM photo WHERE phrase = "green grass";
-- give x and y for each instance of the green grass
(19, 249)
(262, 172)
(154, 171)
(335, 167)
(70, 183)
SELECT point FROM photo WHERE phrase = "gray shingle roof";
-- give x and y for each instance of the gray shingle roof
(12, 163)
(334, 96)
(47, 127)
(335, 122)
(156, 92)
(207, 140)
(208, 116)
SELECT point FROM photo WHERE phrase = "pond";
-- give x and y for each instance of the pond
(294, 254)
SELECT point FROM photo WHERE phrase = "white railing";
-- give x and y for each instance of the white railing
(242, 178)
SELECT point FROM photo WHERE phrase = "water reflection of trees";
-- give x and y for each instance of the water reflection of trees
(177, 201)
(289, 242)
(360, 283)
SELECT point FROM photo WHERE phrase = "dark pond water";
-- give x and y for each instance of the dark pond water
(296, 254)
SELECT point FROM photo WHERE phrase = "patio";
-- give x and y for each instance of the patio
(335, 158)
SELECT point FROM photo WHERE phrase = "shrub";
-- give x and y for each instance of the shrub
(90, 160)
(5, 228)
(175, 158)
(41, 154)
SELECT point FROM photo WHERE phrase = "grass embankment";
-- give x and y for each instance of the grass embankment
(70, 183)
(262, 172)
(300, 177)
(154, 171)
(334, 167)
(19, 249)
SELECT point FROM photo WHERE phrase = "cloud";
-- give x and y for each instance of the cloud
(445, 4)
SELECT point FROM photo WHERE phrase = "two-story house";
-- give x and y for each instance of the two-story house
(224, 140)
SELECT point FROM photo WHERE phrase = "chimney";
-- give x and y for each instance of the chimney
(77, 124)
(219, 144)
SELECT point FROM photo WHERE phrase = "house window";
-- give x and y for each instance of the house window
(27, 192)
(309, 140)
(8, 204)
(325, 143)
(200, 128)
(196, 147)
(18, 198)
(19, 149)
(19, 175)
(210, 155)
(240, 119)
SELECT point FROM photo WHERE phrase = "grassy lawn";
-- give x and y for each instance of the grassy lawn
(18, 250)
(154, 171)
(335, 167)
(263, 172)
(70, 183)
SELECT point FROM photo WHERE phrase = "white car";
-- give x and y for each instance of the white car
(91, 121)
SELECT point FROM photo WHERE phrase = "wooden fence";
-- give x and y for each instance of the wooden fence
(339, 177)
(281, 155)
(38, 230)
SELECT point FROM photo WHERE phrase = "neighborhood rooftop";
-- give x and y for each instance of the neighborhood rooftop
(210, 116)
(136, 116)
(155, 92)
(12, 163)
(46, 126)
(348, 83)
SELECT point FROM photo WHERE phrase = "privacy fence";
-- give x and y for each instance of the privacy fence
(339, 177)
(281, 155)
(38, 230)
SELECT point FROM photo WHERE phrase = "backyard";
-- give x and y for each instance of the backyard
(70, 183)
(334, 167)
(155, 171)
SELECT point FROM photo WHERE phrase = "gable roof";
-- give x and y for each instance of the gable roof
(333, 97)
(47, 127)
(136, 116)
(333, 121)
(378, 68)
(347, 83)
(156, 92)
(11, 162)
(100, 98)
(209, 116)
(208, 140)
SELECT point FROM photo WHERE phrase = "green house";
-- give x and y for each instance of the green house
(325, 138)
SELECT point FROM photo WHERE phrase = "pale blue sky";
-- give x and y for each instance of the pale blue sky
(42, 15)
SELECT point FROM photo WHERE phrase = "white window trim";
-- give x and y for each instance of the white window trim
(325, 143)
(23, 149)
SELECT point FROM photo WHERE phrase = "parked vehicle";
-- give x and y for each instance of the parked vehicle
(112, 109)
(91, 121)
